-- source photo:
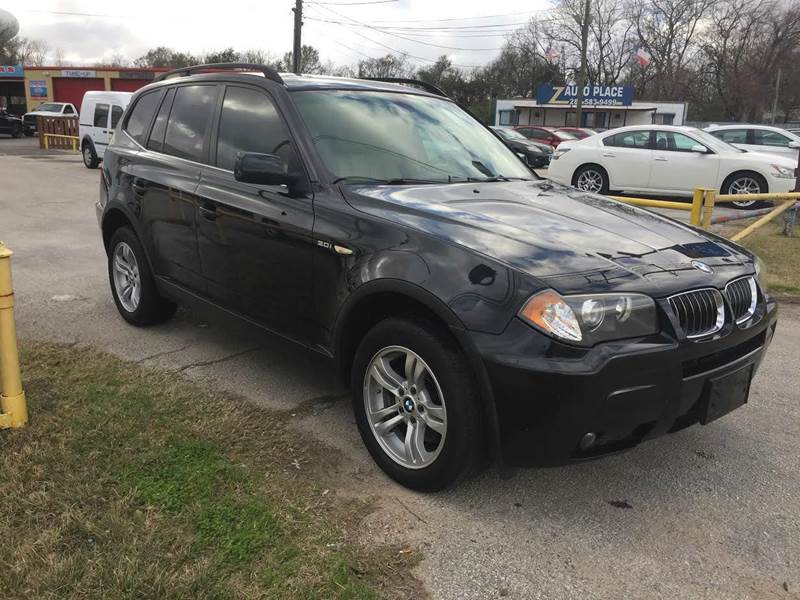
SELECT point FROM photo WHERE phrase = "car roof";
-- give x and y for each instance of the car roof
(748, 126)
(651, 127)
(293, 82)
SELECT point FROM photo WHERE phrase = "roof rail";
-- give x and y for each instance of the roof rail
(428, 87)
(268, 72)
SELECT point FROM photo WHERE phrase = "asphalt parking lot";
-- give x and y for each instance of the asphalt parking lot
(710, 512)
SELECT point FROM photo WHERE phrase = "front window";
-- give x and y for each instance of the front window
(731, 136)
(511, 134)
(563, 135)
(50, 107)
(387, 136)
(764, 137)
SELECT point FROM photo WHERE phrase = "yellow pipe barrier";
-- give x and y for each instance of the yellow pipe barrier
(766, 197)
(708, 207)
(698, 197)
(762, 221)
(652, 203)
(13, 408)
(47, 137)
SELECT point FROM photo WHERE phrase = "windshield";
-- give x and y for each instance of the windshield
(716, 144)
(388, 137)
(563, 135)
(511, 134)
(50, 107)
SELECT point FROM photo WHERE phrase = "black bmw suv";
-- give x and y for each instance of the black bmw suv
(473, 308)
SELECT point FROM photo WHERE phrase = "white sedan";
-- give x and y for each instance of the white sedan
(668, 160)
(758, 138)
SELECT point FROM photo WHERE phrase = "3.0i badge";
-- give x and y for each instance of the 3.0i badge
(701, 266)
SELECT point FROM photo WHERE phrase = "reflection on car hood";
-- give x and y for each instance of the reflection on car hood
(765, 157)
(572, 240)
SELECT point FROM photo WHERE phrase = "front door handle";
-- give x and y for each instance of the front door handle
(661, 158)
(139, 186)
(208, 211)
(609, 155)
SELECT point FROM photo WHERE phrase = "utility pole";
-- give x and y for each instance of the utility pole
(582, 72)
(775, 99)
(298, 26)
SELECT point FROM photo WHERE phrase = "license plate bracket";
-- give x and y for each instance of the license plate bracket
(726, 393)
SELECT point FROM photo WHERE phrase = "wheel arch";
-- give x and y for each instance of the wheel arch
(380, 299)
(740, 171)
(86, 139)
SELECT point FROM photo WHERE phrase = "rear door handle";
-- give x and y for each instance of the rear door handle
(661, 158)
(609, 155)
(208, 211)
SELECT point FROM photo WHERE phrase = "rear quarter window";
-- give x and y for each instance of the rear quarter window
(142, 114)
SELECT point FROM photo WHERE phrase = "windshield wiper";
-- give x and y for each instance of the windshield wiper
(394, 181)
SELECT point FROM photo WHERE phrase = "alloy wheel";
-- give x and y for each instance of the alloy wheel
(87, 155)
(744, 185)
(405, 407)
(127, 281)
(590, 180)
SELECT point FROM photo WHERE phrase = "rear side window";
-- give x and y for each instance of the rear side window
(156, 141)
(732, 136)
(249, 123)
(189, 121)
(68, 110)
(142, 114)
(101, 115)
(116, 115)
(629, 139)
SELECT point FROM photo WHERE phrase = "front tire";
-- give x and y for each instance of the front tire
(745, 182)
(591, 178)
(132, 284)
(416, 404)
(90, 159)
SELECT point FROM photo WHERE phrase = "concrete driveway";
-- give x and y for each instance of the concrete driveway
(710, 512)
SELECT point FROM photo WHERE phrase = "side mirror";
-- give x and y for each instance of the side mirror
(263, 169)
(794, 144)
(700, 149)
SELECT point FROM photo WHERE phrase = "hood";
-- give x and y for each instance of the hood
(571, 240)
(772, 159)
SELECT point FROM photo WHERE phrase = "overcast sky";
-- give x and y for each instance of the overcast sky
(131, 28)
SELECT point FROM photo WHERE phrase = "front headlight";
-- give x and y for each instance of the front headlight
(587, 319)
(782, 172)
(761, 274)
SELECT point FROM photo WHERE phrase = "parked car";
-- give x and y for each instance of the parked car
(470, 305)
(47, 109)
(577, 132)
(101, 113)
(9, 124)
(668, 160)
(536, 155)
(759, 138)
(544, 135)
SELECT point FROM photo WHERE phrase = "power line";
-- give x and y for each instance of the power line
(360, 24)
(352, 3)
(528, 12)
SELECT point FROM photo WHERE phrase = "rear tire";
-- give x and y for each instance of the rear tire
(90, 159)
(132, 284)
(423, 427)
(745, 182)
(592, 179)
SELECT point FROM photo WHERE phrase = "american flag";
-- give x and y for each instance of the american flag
(551, 54)
(643, 57)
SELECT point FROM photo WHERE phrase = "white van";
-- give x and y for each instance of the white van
(100, 113)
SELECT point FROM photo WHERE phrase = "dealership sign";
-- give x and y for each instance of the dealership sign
(593, 95)
(78, 73)
(11, 71)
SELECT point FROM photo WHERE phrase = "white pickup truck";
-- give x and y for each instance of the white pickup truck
(47, 109)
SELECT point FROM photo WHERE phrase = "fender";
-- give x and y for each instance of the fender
(457, 329)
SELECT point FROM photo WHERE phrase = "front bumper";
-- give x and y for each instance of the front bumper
(549, 396)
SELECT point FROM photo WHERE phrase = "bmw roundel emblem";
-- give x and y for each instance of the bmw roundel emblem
(701, 266)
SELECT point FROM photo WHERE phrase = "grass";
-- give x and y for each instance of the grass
(779, 253)
(133, 483)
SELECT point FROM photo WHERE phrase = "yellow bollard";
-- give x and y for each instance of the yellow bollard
(13, 409)
(708, 207)
(697, 206)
